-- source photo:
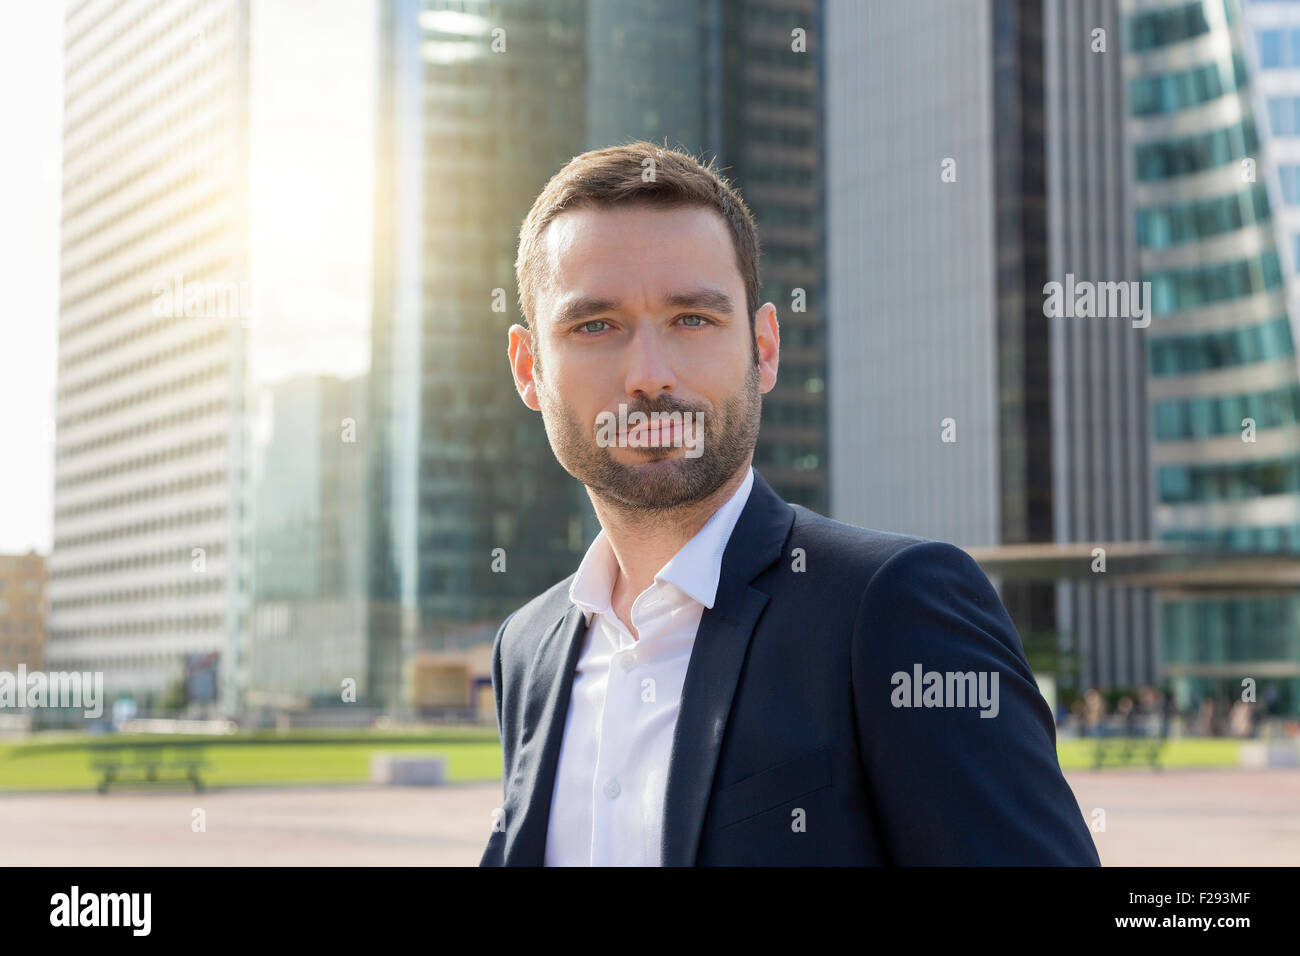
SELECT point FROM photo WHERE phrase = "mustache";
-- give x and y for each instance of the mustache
(663, 406)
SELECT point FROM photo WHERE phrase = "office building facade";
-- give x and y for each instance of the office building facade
(22, 611)
(1100, 449)
(480, 103)
(218, 178)
(308, 603)
(145, 566)
(975, 155)
(1210, 188)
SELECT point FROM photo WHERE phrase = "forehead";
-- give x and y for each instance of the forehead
(624, 251)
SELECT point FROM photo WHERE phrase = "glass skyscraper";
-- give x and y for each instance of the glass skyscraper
(472, 515)
(1223, 385)
(480, 103)
(308, 603)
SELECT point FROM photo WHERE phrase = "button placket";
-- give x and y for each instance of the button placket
(613, 745)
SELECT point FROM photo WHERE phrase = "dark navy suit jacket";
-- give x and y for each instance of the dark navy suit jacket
(791, 746)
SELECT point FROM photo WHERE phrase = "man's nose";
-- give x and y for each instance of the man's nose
(649, 370)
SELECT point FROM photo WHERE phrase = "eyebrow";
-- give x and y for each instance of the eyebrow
(708, 300)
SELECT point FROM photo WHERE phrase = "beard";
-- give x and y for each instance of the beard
(658, 482)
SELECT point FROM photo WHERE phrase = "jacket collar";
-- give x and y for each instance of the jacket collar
(695, 569)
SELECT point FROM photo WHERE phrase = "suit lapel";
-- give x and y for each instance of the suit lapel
(550, 682)
(714, 669)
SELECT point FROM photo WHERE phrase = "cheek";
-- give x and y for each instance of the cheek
(584, 381)
(716, 378)
(563, 400)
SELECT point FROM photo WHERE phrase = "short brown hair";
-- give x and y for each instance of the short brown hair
(616, 175)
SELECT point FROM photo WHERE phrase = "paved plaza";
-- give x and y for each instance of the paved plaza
(1194, 818)
(251, 826)
(1180, 818)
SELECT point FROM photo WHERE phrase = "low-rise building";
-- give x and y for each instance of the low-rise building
(22, 611)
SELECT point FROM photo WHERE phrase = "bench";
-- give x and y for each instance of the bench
(149, 762)
(406, 769)
(1123, 746)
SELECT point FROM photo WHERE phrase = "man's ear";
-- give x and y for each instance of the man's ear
(767, 334)
(520, 351)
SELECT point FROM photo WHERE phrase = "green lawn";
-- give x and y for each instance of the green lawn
(473, 754)
(1180, 753)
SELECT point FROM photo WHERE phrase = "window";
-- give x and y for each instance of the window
(1162, 226)
(1205, 285)
(1284, 115)
(1146, 31)
(1170, 92)
(1206, 416)
(1290, 180)
(1169, 158)
(1278, 48)
(1270, 48)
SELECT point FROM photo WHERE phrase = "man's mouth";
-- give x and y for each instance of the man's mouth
(667, 433)
(679, 431)
(651, 430)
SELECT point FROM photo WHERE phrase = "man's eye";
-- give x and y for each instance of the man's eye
(587, 326)
(698, 321)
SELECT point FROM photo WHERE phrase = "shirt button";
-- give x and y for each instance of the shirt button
(612, 789)
(629, 660)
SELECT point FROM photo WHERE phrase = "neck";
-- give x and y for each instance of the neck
(644, 541)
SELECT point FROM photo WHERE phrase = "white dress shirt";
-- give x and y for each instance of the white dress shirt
(607, 807)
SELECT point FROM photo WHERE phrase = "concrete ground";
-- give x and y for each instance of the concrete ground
(1179, 818)
(1193, 817)
(360, 825)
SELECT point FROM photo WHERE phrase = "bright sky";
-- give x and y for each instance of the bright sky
(31, 107)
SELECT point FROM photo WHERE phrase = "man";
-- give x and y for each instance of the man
(729, 679)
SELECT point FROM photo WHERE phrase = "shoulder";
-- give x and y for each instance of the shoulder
(931, 598)
(851, 552)
(520, 631)
(849, 564)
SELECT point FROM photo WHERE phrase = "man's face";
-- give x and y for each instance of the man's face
(645, 308)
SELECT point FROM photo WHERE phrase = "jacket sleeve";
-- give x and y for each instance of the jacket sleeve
(956, 781)
(507, 740)
(493, 853)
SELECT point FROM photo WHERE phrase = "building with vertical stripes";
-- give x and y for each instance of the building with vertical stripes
(145, 567)
(975, 154)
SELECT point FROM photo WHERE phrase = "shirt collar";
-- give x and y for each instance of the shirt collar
(696, 569)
